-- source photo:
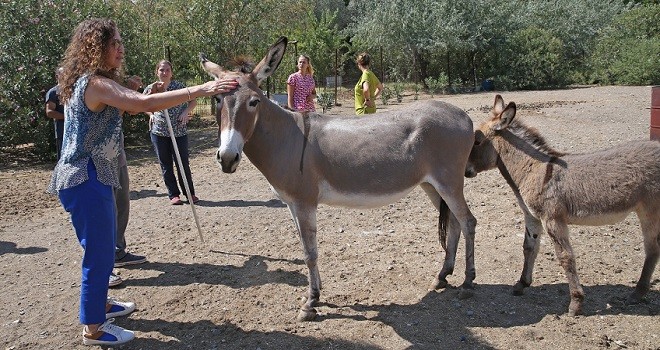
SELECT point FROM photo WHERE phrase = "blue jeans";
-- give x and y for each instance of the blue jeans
(166, 157)
(94, 217)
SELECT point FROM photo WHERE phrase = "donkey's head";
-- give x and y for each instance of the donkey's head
(238, 110)
(484, 153)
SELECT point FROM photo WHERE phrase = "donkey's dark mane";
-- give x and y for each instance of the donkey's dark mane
(242, 64)
(533, 136)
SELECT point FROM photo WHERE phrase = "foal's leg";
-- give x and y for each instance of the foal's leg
(305, 219)
(533, 230)
(650, 223)
(558, 231)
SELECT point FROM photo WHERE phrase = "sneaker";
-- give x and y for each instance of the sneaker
(108, 334)
(118, 308)
(176, 200)
(130, 259)
(114, 280)
(194, 199)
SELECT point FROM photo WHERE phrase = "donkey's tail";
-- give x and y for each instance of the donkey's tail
(442, 223)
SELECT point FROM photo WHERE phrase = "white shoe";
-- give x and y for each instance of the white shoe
(119, 308)
(108, 334)
(114, 280)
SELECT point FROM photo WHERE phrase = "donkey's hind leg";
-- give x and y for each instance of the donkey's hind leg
(451, 247)
(650, 223)
(305, 220)
(533, 230)
(449, 240)
(463, 218)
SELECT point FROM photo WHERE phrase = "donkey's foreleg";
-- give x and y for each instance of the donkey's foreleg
(305, 219)
(533, 230)
(558, 231)
(650, 223)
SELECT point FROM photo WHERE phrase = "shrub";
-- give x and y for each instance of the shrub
(437, 85)
(398, 91)
(386, 95)
(326, 100)
(416, 88)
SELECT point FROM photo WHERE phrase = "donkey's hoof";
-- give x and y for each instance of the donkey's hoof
(306, 315)
(633, 299)
(465, 293)
(574, 310)
(439, 284)
(518, 289)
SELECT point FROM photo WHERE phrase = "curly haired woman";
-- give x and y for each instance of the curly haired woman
(86, 173)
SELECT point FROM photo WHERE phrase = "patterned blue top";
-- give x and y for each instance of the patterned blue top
(160, 123)
(87, 135)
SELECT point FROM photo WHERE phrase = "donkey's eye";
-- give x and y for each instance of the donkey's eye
(254, 103)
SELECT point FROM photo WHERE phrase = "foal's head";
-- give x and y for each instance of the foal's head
(501, 134)
(484, 155)
(238, 110)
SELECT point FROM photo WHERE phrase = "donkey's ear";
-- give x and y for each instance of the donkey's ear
(498, 106)
(506, 117)
(213, 69)
(271, 61)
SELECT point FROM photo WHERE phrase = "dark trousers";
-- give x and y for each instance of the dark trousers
(58, 145)
(167, 158)
(123, 205)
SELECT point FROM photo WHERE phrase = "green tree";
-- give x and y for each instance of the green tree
(533, 58)
(36, 34)
(576, 23)
(407, 31)
(320, 39)
(627, 53)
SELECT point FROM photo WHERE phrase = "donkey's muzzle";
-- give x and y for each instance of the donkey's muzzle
(228, 161)
(469, 173)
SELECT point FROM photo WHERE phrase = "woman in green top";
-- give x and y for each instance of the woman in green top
(368, 88)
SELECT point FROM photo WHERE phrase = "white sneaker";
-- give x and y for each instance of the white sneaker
(108, 334)
(119, 308)
(114, 280)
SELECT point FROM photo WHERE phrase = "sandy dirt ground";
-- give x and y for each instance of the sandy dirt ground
(242, 287)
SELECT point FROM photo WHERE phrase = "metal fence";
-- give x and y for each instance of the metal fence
(204, 107)
(276, 88)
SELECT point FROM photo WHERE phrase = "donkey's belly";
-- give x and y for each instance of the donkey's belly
(598, 220)
(331, 196)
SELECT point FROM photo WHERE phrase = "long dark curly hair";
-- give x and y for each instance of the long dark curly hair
(85, 54)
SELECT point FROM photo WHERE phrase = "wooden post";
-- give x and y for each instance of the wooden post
(654, 129)
(382, 68)
(336, 73)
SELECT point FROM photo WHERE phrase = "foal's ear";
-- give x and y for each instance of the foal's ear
(506, 117)
(498, 105)
(271, 61)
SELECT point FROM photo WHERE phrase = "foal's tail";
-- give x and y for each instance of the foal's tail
(442, 223)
